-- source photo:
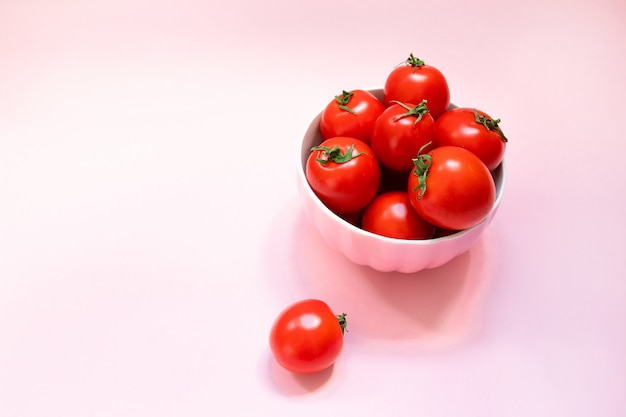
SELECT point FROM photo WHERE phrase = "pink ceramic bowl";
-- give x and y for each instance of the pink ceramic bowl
(379, 252)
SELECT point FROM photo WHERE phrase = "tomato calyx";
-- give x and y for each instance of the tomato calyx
(422, 164)
(334, 154)
(343, 323)
(343, 101)
(417, 111)
(489, 124)
(413, 61)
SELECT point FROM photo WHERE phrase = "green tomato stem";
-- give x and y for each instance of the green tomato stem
(489, 124)
(417, 111)
(422, 164)
(414, 62)
(334, 154)
(343, 323)
(343, 101)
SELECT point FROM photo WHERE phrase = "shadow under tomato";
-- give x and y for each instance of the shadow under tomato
(292, 384)
(435, 307)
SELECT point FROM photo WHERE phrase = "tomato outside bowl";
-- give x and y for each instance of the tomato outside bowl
(379, 252)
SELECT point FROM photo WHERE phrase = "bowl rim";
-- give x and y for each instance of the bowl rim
(499, 172)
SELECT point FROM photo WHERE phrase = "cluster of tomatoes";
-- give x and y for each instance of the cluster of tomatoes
(406, 165)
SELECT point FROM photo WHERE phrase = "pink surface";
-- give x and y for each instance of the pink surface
(150, 228)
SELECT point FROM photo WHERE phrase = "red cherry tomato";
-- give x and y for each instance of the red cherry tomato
(473, 130)
(391, 214)
(451, 188)
(352, 114)
(307, 337)
(416, 81)
(344, 173)
(400, 132)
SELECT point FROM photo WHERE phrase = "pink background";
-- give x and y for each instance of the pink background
(150, 229)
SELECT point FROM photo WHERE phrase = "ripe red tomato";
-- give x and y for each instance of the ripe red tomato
(399, 133)
(344, 173)
(391, 214)
(451, 188)
(307, 337)
(352, 114)
(416, 81)
(473, 130)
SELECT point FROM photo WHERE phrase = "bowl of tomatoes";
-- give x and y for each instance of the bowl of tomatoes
(395, 186)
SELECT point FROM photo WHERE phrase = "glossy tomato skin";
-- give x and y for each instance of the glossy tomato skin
(396, 140)
(354, 119)
(392, 215)
(306, 337)
(344, 187)
(412, 84)
(460, 191)
(458, 127)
